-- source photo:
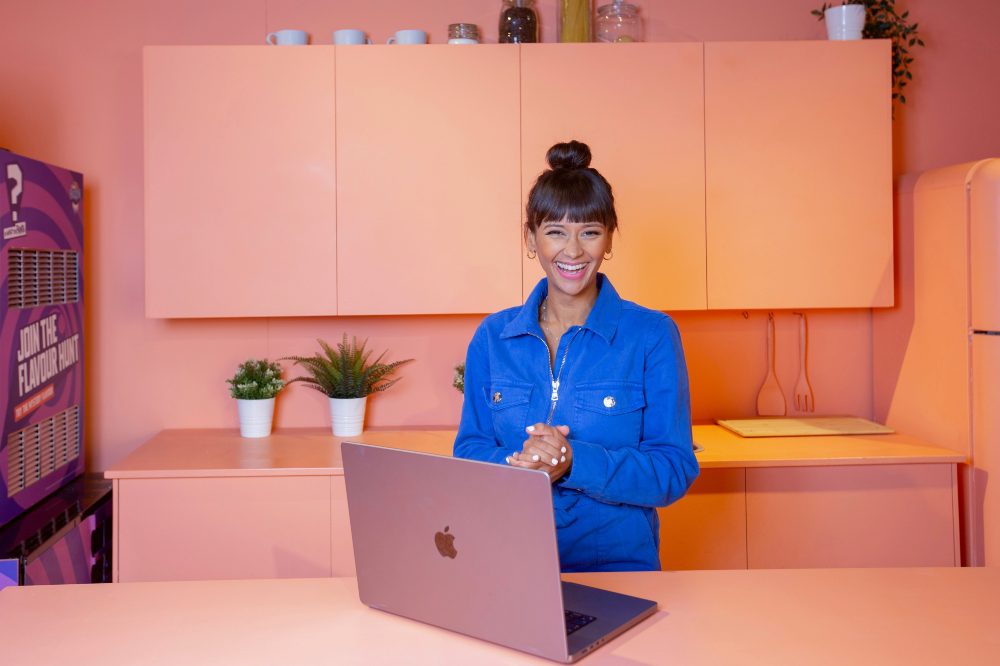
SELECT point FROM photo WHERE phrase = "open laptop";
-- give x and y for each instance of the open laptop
(471, 547)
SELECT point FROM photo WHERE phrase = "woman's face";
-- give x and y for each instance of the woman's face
(570, 253)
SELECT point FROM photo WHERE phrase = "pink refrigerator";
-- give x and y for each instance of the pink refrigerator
(937, 355)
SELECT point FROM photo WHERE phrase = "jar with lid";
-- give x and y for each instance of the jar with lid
(618, 22)
(518, 22)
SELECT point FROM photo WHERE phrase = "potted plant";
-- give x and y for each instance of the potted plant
(254, 386)
(843, 22)
(458, 381)
(347, 378)
(881, 21)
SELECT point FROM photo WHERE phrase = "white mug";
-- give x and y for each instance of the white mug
(408, 37)
(350, 37)
(287, 38)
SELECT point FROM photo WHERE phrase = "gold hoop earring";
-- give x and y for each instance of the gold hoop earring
(609, 255)
(531, 254)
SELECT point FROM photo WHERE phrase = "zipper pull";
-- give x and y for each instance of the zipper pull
(555, 390)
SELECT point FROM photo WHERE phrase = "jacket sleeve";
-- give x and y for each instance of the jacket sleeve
(476, 439)
(661, 467)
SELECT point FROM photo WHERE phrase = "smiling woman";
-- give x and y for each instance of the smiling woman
(581, 384)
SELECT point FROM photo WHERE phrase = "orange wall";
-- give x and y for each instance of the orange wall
(71, 78)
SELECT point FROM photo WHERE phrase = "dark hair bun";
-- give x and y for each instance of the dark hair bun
(572, 155)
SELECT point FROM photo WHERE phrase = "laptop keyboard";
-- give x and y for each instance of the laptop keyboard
(575, 621)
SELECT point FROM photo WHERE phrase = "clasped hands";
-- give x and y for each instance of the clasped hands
(546, 449)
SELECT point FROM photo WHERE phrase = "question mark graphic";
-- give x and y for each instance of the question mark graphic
(14, 188)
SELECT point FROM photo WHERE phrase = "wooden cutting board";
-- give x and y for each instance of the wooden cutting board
(804, 427)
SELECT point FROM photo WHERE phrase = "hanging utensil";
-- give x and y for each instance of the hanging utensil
(770, 398)
(804, 400)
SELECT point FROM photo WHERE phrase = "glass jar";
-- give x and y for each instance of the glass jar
(518, 22)
(574, 20)
(463, 33)
(618, 22)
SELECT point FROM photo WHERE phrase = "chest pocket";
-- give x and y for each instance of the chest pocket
(508, 403)
(609, 413)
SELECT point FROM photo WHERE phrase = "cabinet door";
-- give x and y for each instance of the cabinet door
(640, 108)
(223, 528)
(707, 528)
(852, 516)
(799, 174)
(341, 544)
(428, 192)
(240, 208)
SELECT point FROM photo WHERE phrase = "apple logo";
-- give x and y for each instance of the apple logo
(445, 543)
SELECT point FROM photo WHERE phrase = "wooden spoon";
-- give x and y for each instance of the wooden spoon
(770, 399)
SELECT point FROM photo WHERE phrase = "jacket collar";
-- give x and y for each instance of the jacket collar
(603, 317)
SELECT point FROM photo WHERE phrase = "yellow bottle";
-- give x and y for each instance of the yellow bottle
(574, 21)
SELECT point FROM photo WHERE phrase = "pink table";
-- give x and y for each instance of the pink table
(831, 616)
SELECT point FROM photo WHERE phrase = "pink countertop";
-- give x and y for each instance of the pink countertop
(291, 452)
(314, 451)
(796, 616)
(727, 449)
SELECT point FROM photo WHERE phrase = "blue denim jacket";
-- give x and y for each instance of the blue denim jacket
(623, 392)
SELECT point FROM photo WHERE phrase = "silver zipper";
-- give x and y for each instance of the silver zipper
(555, 379)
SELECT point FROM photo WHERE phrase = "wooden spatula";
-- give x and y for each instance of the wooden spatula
(770, 399)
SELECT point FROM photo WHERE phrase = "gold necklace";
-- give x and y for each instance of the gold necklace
(543, 315)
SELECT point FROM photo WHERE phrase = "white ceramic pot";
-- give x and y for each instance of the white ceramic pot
(347, 416)
(844, 22)
(255, 417)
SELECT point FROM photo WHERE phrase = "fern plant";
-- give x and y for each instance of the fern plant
(256, 380)
(344, 371)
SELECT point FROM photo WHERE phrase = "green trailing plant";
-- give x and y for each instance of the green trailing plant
(883, 22)
(459, 380)
(344, 371)
(256, 380)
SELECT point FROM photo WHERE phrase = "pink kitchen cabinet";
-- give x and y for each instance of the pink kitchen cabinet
(225, 528)
(879, 515)
(428, 155)
(208, 504)
(296, 182)
(822, 501)
(240, 208)
(707, 528)
(859, 516)
(641, 109)
(798, 164)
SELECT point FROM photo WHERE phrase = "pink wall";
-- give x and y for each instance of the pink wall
(71, 77)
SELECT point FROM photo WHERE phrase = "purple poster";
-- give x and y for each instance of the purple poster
(41, 336)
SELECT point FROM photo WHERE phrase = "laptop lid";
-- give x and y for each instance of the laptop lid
(460, 544)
